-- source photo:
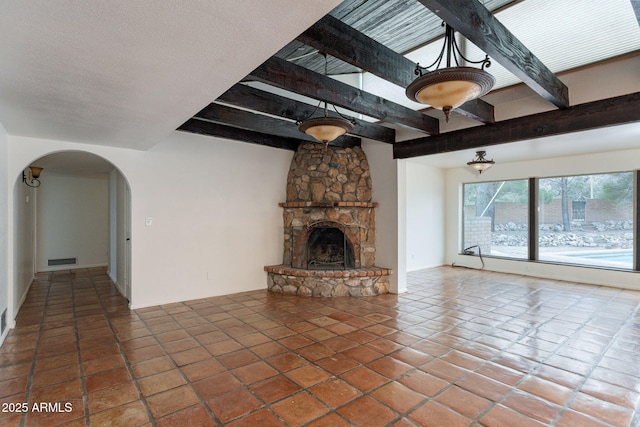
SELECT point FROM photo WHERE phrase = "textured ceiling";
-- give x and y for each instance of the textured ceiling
(123, 72)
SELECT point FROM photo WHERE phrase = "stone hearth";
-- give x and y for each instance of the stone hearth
(329, 226)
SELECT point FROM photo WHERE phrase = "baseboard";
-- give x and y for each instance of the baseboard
(11, 323)
(71, 267)
(113, 279)
(119, 288)
(23, 298)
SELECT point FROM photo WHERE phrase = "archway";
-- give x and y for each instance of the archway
(79, 217)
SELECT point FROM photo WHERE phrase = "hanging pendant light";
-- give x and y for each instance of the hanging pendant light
(450, 87)
(480, 163)
(326, 129)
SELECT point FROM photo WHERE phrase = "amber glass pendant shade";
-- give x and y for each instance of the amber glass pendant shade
(326, 129)
(449, 88)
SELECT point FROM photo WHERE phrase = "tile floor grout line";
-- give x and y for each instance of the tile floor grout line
(202, 400)
(525, 376)
(122, 353)
(595, 364)
(302, 389)
(245, 386)
(268, 405)
(528, 374)
(541, 362)
(470, 372)
(35, 352)
(413, 370)
(83, 382)
(306, 389)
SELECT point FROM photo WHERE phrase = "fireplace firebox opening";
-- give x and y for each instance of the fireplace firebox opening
(328, 248)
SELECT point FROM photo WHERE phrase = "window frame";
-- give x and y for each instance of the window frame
(534, 218)
(463, 239)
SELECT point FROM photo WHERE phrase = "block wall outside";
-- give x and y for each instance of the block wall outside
(477, 231)
(604, 210)
(551, 213)
(506, 212)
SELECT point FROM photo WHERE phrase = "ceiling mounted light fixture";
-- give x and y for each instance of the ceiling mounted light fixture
(326, 129)
(480, 163)
(450, 87)
(34, 174)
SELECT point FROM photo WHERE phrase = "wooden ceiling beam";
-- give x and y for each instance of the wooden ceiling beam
(204, 127)
(294, 78)
(243, 119)
(333, 37)
(480, 27)
(249, 97)
(477, 109)
(592, 115)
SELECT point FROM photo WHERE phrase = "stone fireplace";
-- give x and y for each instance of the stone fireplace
(329, 226)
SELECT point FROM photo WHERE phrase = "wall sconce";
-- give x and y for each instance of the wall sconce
(34, 174)
(480, 163)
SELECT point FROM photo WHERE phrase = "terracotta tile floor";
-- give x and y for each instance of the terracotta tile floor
(461, 348)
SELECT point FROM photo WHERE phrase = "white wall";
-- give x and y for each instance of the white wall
(4, 231)
(72, 220)
(583, 164)
(425, 220)
(388, 179)
(25, 200)
(214, 204)
(113, 224)
(118, 232)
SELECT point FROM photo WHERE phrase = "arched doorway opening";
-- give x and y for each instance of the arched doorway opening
(79, 217)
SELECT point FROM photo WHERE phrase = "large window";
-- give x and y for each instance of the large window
(581, 219)
(587, 220)
(496, 218)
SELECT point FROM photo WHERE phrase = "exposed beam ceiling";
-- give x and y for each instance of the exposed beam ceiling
(243, 119)
(607, 112)
(333, 37)
(480, 27)
(360, 36)
(248, 97)
(288, 76)
(82, 73)
(203, 127)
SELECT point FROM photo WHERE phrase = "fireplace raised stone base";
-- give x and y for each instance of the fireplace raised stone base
(328, 283)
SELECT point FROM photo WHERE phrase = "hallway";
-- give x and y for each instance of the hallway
(461, 348)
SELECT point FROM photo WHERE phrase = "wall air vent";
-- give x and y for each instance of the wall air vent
(62, 261)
